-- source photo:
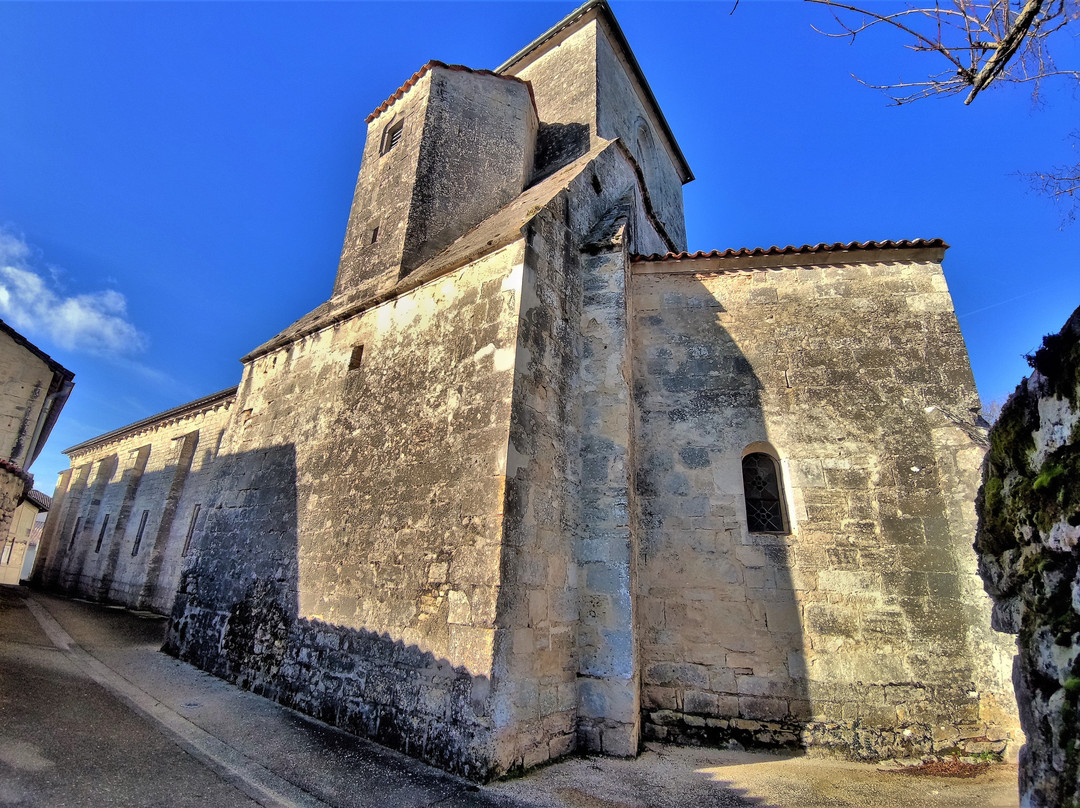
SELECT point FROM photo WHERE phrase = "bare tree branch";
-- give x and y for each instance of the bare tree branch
(983, 42)
(1061, 183)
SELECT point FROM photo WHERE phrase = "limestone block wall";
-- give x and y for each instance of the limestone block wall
(565, 99)
(538, 603)
(121, 516)
(477, 154)
(350, 566)
(383, 198)
(861, 626)
(465, 149)
(568, 655)
(1029, 509)
(622, 114)
(24, 386)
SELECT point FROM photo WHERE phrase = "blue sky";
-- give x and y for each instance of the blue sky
(175, 178)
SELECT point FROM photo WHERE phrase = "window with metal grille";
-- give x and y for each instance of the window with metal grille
(764, 502)
(392, 135)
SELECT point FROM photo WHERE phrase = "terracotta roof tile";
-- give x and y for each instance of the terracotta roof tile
(43, 501)
(419, 74)
(747, 252)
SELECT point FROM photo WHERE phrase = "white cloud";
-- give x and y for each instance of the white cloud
(94, 323)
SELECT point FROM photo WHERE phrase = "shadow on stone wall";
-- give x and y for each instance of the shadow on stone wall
(880, 654)
(722, 640)
(92, 552)
(236, 616)
(557, 145)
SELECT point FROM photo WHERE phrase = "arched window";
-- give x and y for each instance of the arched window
(764, 496)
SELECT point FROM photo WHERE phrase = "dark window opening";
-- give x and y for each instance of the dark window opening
(392, 135)
(764, 502)
(191, 530)
(75, 532)
(374, 234)
(596, 186)
(138, 536)
(357, 357)
(101, 534)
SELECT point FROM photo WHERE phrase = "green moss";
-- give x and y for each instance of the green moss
(1049, 475)
(1058, 361)
(1011, 439)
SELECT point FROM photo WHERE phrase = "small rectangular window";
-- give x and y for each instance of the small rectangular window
(392, 136)
(357, 357)
(75, 532)
(191, 529)
(138, 536)
(374, 234)
(101, 534)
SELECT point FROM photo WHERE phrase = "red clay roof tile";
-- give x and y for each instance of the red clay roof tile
(746, 252)
(419, 74)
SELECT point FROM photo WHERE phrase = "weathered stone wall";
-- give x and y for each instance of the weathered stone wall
(569, 663)
(13, 550)
(861, 628)
(585, 93)
(350, 566)
(1029, 508)
(383, 197)
(622, 114)
(477, 155)
(24, 386)
(465, 150)
(564, 85)
(538, 604)
(14, 483)
(97, 544)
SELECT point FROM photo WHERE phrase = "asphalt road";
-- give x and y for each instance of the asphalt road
(92, 714)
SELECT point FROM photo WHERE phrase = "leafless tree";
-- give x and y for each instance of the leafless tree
(978, 43)
(1061, 184)
(981, 41)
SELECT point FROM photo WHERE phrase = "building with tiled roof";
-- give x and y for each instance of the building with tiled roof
(536, 480)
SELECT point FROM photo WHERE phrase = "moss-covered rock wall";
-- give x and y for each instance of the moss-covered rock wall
(1029, 526)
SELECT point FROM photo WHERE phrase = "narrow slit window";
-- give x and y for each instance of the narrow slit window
(392, 135)
(191, 529)
(357, 357)
(101, 534)
(764, 500)
(75, 532)
(374, 234)
(138, 535)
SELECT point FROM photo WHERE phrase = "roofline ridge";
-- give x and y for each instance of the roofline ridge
(839, 246)
(435, 63)
(191, 407)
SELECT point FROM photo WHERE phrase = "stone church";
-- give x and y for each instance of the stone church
(535, 480)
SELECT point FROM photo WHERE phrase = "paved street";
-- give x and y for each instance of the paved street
(91, 714)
